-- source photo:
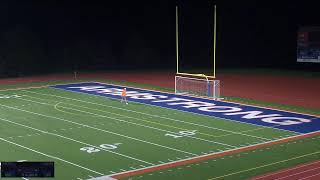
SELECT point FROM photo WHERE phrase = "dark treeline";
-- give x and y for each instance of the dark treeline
(42, 36)
(55, 35)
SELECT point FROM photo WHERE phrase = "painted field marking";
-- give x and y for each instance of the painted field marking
(56, 106)
(201, 139)
(50, 156)
(150, 122)
(266, 165)
(98, 129)
(157, 116)
(161, 124)
(70, 139)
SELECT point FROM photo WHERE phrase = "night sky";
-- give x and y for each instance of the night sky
(55, 35)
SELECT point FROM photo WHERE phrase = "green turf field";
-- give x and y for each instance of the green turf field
(90, 136)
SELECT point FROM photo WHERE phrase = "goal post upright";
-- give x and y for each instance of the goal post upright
(196, 83)
(177, 38)
(213, 48)
(214, 39)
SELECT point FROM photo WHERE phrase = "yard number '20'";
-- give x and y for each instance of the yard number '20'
(102, 146)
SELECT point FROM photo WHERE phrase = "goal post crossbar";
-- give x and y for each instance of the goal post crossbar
(195, 75)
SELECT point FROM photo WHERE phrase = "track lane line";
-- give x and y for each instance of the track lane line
(266, 165)
(286, 170)
(283, 177)
(318, 174)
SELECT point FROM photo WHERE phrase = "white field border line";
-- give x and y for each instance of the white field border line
(98, 129)
(298, 173)
(39, 87)
(50, 156)
(137, 112)
(137, 124)
(116, 119)
(215, 153)
(23, 88)
(318, 116)
(220, 118)
(286, 170)
(80, 142)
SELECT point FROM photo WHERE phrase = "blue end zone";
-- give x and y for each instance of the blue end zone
(283, 120)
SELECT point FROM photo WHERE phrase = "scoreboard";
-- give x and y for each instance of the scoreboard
(308, 44)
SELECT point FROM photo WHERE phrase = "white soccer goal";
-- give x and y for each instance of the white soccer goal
(197, 86)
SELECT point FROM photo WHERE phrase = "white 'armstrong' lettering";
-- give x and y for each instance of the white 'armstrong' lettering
(87, 88)
(145, 96)
(172, 100)
(202, 106)
(220, 109)
(252, 114)
(285, 121)
(117, 92)
(192, 104)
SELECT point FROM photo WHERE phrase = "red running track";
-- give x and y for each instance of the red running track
(308, 171)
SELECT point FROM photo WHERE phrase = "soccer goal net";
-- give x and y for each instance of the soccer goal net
(197, 86)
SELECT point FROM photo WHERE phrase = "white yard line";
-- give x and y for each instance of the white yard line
(157, 116)
(50, 156)
(98, 129)
(54, 134)
(116, 119)
(150, 127)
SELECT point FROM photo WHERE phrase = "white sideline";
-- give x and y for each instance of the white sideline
(87, 126)
(50, 156)
(103, 178)
(167, 118)
(116, 119)
(80, 142)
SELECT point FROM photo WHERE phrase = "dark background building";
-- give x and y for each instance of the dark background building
(55, 35)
